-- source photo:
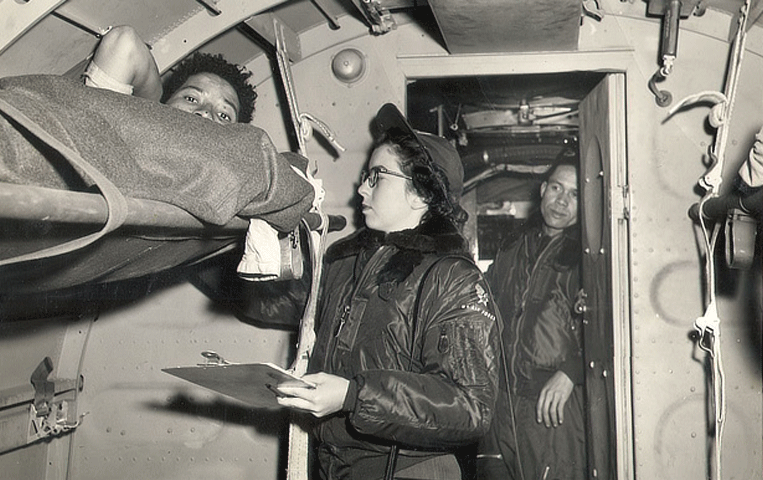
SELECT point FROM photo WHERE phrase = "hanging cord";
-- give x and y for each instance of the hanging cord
(708, 329)
(661, 97)
(708, 325)
(722, 109)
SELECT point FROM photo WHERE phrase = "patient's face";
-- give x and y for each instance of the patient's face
(207, 95)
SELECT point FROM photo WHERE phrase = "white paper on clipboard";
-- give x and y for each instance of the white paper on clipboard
(251, 383)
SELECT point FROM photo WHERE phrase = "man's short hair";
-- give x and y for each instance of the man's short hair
(235, 75)
(567, 156)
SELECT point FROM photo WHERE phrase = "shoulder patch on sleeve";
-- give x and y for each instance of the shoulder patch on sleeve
(482, 296)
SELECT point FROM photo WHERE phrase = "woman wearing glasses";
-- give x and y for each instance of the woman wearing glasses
(405, 362)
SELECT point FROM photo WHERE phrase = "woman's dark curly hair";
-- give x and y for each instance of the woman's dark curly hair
(428, 179)
(206, 63)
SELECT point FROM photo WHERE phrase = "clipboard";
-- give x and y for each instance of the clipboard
(251, 383)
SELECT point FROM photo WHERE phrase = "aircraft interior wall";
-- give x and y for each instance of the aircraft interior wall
(663, 161)
(137, 422)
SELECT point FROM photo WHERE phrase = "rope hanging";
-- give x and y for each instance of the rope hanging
(708, 325)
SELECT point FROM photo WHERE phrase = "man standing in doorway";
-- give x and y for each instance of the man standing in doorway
(538, 432)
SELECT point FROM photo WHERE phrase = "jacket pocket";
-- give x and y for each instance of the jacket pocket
(464, 347)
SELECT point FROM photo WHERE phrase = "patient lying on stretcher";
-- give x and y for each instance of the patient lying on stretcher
(205, 85)
(214, 170)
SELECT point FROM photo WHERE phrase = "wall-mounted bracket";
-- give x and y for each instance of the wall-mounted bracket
(741, 238)
(43, 409)
(671, 11)
(377, 15)
(265, 24)
(44, 389)
(56, 422)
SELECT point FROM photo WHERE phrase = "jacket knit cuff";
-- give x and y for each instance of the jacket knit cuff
(573, 368)
(351, 397)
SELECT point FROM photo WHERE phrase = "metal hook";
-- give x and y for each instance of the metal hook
(662, 97)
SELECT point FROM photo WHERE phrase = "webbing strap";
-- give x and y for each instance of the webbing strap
(115, 201)
(297, 461)
(712, 179)
(291, 97)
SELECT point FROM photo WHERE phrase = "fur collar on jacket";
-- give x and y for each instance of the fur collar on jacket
(435, 236)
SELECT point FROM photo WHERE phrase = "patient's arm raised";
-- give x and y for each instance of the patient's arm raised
(124, 57)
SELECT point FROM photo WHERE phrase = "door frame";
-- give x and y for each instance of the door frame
(615, 64)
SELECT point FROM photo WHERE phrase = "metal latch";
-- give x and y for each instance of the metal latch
(43, 388)
(213, 358)
(49, 416)
(580, 306)
(377, 15)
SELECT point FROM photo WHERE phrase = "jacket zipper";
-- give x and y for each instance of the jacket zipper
(370, 266)
(517, 327)
(342, 320)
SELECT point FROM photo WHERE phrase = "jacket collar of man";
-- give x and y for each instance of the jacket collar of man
(568, 252)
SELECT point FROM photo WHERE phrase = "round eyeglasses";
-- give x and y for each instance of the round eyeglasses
(372, 175)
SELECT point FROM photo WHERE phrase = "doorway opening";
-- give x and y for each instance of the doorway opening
(510, 130)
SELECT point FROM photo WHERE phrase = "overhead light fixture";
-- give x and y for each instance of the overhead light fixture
(349, 65)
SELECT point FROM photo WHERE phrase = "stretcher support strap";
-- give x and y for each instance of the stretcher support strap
(297, 462)
(116, 202)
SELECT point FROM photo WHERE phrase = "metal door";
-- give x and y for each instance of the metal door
(602, 187)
